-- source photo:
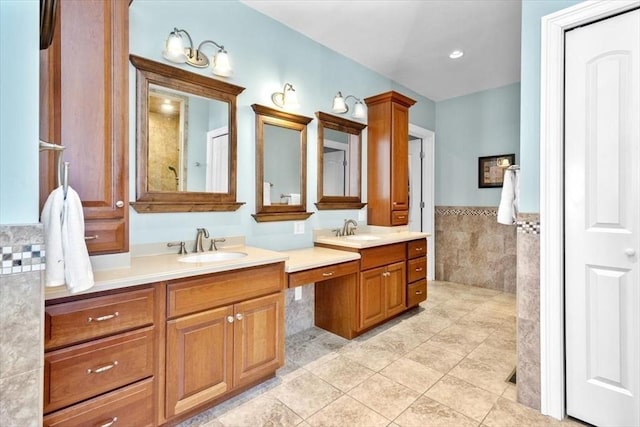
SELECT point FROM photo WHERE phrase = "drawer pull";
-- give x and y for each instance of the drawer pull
(418, 292)
(419, 269)
(102, 369)
(239, 316)
(94, 237)
(108, 423)
(386, 274)
(419, 249)
(329, 274)
(103, 318)
(230, 319)
(401, 217)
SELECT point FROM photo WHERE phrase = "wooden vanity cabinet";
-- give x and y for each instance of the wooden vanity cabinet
(225, 332)
(101, 358)
(417, 272)
(388, 159)
(84, 106)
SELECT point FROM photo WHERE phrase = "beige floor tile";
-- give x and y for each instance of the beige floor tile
(305, 394)
(490, 378)
(463, 397)
(506, 413)
(384, 396)
(411, 374)
(510, 392)
(434, 357)
(370, 356)
(427, 412)
(458, 339)
(342, 373)
(213, 423)
(398, 340)
(490, 355)
(261, 411)
(346, 411)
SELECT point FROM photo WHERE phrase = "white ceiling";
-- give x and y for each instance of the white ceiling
(409, 41)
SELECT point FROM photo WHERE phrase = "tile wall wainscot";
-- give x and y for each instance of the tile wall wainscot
(21, 325)
(473, 249)
(528, 310)
(299, 315)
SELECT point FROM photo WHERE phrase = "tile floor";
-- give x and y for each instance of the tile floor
(444, 363)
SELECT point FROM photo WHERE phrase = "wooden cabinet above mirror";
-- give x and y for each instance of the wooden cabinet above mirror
(339, 164)
(281, 165)
(186, 140)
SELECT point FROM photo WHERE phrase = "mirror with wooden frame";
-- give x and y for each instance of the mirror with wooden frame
(339, 162)
(186, 140)
(281, 165)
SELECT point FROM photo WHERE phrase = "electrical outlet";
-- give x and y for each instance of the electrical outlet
(362, 215)
(297, 293)
(298, 227)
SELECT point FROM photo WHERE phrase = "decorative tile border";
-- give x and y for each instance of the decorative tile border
(528, 227)
(466, 211)
(22, 259)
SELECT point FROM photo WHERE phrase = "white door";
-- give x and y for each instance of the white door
(602, 221)
(333, 173)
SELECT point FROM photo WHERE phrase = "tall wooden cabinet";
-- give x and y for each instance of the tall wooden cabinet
(84, 106)
(388, 159)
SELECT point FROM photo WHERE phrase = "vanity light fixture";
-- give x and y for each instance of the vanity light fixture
(287, 99)
(456, 54)
(340, 106)
(175, 51)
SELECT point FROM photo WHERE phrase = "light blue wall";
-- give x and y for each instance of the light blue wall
(264, 55)
(467, 127)
(19, 97)
(532, 11)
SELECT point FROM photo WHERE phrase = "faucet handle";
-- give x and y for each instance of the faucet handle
(182, 250)
(337, 231)
(214, 241)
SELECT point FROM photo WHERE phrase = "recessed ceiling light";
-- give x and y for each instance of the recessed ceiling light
(456, 54)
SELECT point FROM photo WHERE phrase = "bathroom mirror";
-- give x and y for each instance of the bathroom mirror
(339, 162)
(281, 165)
(186, 140)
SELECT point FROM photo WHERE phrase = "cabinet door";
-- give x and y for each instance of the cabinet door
(199, 359)
(84, 106)
(395, 288)
(372, 297)
(400, 159)
(258, 338)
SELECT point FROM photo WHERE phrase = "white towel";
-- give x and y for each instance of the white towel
(294, 199)
(266, 194)
(508, 209)
(67, 259)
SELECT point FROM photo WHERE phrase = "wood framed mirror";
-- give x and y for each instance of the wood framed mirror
(186, 140)
(339, 163)
(281, 165)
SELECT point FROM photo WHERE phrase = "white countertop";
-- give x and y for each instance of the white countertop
(382, 239)
(305, 259)
(155, 268)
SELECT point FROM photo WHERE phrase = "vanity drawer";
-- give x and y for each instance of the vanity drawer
(129, 406)
(417, 269)
(87, 370)
(105, 237)
(82, 320)
(195, 294)
(399, 217)
(416, 293)
(322, 273)
(416, 248)
(381, 255)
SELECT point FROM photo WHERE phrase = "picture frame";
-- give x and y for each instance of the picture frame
(491, 169)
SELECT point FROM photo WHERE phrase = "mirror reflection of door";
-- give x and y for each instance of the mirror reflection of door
(282, 164)
(217, 160)
(341, 163)
(166, 124)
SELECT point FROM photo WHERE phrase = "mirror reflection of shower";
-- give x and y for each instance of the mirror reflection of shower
(175, 173)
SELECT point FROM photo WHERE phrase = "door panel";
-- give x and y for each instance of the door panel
(602, 218)
(396, 288)
(372, 298)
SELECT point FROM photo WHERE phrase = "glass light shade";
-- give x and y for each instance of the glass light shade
(221, 64)
(339, 106)
(358, 110)
(174, 49)
(290, 98)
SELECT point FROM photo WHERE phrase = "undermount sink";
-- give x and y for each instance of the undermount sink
(212, 257)
(362, 237)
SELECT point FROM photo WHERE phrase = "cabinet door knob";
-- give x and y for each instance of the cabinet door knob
(239, 316)
(630, 251)
(230, 319)
(119, 204)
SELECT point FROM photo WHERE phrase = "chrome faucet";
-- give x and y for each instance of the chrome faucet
(201, 232)
(182, 250)
(348, 231)
(213, 246)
